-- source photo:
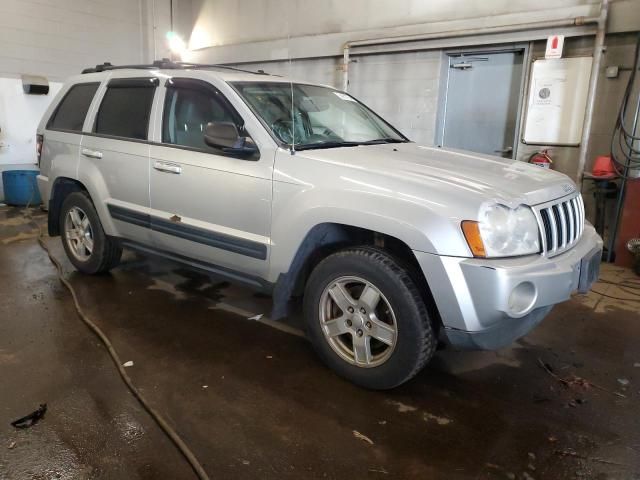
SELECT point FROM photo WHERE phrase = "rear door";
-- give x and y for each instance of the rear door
(115, 155)
(63, 132)
(205, 204)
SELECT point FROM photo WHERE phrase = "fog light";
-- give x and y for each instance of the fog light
(522, 298)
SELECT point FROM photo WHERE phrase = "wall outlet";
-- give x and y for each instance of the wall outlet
(612, 71)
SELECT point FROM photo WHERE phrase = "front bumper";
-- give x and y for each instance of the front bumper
(488, 303)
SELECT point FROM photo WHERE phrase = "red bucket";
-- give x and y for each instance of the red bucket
(603, 167)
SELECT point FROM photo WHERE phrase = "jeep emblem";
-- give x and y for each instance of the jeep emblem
(567, 187)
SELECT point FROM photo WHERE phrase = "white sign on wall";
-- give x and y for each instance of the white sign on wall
(557, 101)
(555, 43)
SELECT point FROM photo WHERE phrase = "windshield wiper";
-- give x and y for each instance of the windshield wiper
(377, 141)
(383, 140)
(314, 146)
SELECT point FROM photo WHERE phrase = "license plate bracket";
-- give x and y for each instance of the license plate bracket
(589, 270)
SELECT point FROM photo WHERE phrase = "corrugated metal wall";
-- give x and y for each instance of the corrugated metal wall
(57, 38)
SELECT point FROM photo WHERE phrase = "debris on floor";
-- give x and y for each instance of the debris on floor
(128, 364)
(574, 454)
(498, 468)
(31, 419)
(12, 445)
(428, 417)
(575, 381)
(362, 437)
(402, 407)
(378, 470)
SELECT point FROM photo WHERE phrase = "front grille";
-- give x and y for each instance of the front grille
(561, 224)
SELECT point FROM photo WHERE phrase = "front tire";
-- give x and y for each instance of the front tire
(367, 320)
(89, 249)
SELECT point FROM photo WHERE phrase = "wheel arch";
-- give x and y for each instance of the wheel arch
(62, 187)
(325, 239)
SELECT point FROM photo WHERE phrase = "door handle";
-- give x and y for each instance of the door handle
(504, 150)
(168, 167)
(91, 153)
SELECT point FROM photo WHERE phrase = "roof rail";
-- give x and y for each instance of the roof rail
(167, 64)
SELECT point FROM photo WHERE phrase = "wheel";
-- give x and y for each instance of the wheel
(367, 320)
(84, 240)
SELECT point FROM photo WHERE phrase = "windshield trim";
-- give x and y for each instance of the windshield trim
(289, 146)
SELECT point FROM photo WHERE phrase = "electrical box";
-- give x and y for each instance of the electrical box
(557, 101)
(35, 85)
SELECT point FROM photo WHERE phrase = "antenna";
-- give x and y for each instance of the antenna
(293, 114)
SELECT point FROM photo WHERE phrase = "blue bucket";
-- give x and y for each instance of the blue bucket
(20, 187)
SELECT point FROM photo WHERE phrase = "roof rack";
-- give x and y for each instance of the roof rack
(167, 64)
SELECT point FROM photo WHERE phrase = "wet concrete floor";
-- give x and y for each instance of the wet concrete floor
(253, 401)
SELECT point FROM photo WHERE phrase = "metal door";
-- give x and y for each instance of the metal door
(481, 106)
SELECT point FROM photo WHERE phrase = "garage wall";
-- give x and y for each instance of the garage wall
(404, 86)
(619, 52)
(58, 38)
(248, 31)
(401, 87)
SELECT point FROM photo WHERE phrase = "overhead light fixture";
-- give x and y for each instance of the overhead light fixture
(176, 44)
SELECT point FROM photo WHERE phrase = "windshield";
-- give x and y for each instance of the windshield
(321, 117)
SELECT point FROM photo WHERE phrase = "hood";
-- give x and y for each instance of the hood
(490, 177)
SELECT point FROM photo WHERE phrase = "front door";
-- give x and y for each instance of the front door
(207, 205)
(481, 106)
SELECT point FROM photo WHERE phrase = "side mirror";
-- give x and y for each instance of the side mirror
(224, 135)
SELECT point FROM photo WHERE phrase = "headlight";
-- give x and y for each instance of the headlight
(503, 232)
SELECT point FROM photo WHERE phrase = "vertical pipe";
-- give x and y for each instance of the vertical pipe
(143, 49)
(593, 85)
(345, 67)
(171, 16)
(613, 231)
(153, 27)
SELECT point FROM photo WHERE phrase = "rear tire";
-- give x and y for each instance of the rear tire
(367, 320)
(89, 249)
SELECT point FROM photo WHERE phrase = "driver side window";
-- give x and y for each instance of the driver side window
(187, 110)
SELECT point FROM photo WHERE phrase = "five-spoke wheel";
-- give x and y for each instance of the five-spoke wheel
(367, 319)
(358, 321)
(83, 238)
(79, 234)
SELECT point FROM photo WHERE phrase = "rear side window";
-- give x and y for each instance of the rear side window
(125, 109)
(73, 108)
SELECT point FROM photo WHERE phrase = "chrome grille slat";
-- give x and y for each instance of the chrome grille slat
(581, 205)
(572, 227)
(554, 230)
(578, 217)
(561, 224)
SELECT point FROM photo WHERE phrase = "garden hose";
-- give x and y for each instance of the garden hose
(162, 423)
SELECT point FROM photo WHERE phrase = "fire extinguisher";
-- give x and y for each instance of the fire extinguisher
(541, 159)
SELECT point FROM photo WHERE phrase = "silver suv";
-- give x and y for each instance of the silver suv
(300, 190)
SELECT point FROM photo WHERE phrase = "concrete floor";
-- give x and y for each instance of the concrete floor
(253, 401)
